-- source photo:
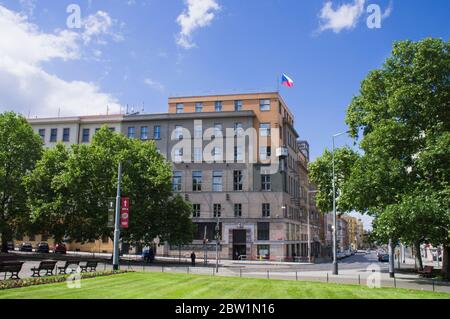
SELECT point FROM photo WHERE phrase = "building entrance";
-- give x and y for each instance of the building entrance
(239, 243)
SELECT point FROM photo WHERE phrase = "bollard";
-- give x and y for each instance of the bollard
(240, 272)
(213, 271)
(268, 276)
(395, 283)
(433, 286)
(359, 280)
(188, 270)
(162, 268)
(296, 276)
(327, 278)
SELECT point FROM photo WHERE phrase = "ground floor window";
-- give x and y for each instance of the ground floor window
(263, 251)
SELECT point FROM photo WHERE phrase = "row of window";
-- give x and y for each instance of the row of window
(264, 129)
(144, 132)
(264, 105)
(265, 152)
(66, 134)
(218, 210)
(217, 181)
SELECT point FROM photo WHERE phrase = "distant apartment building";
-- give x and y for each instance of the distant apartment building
(247, 188)
(355, 229)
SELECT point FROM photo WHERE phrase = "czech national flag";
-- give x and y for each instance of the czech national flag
(287, 81)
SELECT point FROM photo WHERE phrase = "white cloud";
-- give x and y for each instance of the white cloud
(154, 85)
(199, 14)
(345, 16)
(97, 25)
(388, 11)
(28, 7)
(24, 84)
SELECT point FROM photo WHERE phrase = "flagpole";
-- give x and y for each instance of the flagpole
(278, 85)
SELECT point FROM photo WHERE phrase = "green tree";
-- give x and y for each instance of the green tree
(20, 148)
(78, 183)
(321, 174)
(402, 119)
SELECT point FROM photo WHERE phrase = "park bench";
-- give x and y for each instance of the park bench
(427, 271)
(12, 267)
(47, 265)
(89, 266)
(62, 270)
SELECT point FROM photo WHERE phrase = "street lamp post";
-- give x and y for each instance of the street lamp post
(335, 263)
(309, 225)
(117, 223)
(217, 243)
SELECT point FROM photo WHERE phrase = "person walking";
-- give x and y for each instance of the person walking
(193, 259)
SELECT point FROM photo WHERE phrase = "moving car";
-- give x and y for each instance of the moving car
(383, 258)
(43, 247)
(10, 245)
(27, 247)
(60, 248)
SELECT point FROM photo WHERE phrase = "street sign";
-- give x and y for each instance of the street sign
(125, 212)
(111, 211)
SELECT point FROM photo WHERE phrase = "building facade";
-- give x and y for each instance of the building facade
(236, 158)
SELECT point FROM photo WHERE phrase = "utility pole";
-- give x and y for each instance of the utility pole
(217, 243)
(391, 259)
(117, 223)
(309, 224)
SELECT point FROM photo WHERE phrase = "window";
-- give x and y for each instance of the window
(144, 133)
(198, 131)
(265, 152)
(131, 132)
(217, 210)
(177, 181)
(218, 106)
(217, 154)
(53, 135)
(217, 130)
(238, 157)
(112, 129)
(238, 105)
(264, 105)
(86, 134)
(197, 179)
(217, 181)
(237, 210)
(264, 129)
(180, 107)
(66, 135)
(238, 129)
(263, 251)
(42, 134)
(178, 155)
(198, 156)
(157, 132)
(237, 180)
(178, 132)
(198, 107)
(265, 210)
(105, 239)
(196, 210)
(265, 182)
(263, 231)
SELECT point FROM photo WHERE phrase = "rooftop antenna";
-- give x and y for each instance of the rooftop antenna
(143, 107)
(127, 110)
(59, 112)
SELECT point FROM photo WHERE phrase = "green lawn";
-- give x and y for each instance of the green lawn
(178, 286)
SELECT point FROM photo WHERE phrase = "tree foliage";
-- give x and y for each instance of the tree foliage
(76, 188)
(20, 147)
(321, 174)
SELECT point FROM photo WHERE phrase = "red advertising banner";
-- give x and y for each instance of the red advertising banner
(125, 212)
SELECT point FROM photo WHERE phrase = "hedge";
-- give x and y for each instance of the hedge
(10, 284)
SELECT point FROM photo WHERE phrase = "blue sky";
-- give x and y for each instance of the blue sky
(143, 51)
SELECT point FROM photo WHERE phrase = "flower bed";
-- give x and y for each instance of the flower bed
(10, 284)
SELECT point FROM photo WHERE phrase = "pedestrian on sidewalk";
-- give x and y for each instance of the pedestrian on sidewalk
(193, 256)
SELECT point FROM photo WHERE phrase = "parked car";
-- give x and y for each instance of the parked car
(10, 245)
(27, 247)
(347, 253)
(340, 255)
(60, 248)
(383, 258)
(43, 247)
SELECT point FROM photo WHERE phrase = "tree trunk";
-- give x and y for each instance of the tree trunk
(418, 255)
(6, 237)
(446, 261)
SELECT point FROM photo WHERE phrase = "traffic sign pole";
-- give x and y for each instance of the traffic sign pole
(117, 224)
